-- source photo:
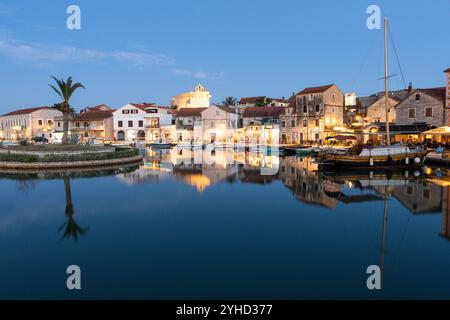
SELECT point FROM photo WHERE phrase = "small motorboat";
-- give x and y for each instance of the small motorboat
(161, 145)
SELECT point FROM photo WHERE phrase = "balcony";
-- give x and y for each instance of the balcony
(87, 128)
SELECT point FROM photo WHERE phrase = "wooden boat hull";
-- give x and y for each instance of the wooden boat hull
(377, 161)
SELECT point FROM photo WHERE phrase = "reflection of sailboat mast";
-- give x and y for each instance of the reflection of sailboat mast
(383, 234)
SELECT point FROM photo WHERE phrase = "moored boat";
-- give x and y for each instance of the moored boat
(161, 145)
(358, 156)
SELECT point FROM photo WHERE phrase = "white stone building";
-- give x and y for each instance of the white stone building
(159, 123)
(200, 98)
(128, 122)
(28, 123)
(219, 124)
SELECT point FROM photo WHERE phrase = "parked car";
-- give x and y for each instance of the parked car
(40, 140)
(7, 143)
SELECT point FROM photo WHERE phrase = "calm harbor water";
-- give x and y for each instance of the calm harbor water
(206, 225)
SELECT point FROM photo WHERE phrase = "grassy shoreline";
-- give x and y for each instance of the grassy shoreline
(55, 147)
(91, 156)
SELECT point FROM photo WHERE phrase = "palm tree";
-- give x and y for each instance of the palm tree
(65, 90)
(71, 228)
(229, 101)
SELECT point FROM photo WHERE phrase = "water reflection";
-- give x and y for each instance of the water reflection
(28, 180)
(70, 228)
(184, 220)
(420, 192)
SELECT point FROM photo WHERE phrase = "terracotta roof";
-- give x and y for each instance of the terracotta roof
(264, 112)
(292, 104)
(100, 107)
(190, 112)
(26, 111)
(316, 89)
(143, 105)
(252, 99)
(227, 109)
(94, 115)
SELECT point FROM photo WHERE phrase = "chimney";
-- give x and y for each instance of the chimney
(447, 98)
(410, 88)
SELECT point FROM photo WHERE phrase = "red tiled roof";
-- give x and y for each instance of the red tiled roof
(190, 112)
(252, 99)
(264, 112)
(227, 109)
(94, 115)
(316, 89)
(143, 105)
(100, 107)
(292, 104)
(26, 111)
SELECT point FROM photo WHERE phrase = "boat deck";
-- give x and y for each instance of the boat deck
(434, 157)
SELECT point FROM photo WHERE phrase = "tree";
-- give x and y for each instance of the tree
(174, 107)
(59, 107)
(263, 102)
(65, 89)
(229, 101)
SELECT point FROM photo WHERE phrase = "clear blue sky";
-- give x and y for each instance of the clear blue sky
(132, 51)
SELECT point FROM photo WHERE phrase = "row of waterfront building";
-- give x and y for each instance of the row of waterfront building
(311, 115)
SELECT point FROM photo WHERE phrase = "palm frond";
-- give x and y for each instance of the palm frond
(57, 91)
(75, 87)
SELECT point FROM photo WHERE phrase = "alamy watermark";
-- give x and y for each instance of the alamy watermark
(74, 280)
(374, 280)
(373, 22)
(73, 22)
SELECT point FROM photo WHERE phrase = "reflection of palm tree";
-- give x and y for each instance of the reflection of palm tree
(71, 228)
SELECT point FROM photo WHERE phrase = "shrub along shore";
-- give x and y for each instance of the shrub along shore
(61, 157)
(66, 157)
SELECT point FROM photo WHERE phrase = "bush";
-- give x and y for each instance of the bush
(119, 154)
(91, 156)
(18, 157)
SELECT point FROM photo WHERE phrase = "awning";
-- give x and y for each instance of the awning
(438, 131)
(406, 129)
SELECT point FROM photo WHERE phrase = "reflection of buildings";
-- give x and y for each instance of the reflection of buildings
(298, 174)
(203, 169)
(419, 197)
(445, 230)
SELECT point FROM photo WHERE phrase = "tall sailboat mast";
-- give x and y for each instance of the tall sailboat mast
(386, 83)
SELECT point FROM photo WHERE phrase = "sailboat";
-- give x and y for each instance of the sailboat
(388, 155)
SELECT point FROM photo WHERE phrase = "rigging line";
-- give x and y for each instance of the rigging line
(396, 55)
(401, 240)
(363, 63)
